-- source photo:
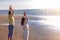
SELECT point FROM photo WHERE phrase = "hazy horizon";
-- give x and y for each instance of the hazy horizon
(45, 5)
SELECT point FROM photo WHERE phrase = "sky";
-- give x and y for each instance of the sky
(30, 4)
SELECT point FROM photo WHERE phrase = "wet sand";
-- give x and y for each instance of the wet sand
(37, 32)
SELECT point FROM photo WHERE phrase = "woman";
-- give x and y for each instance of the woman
(24, 24)
(11, 23)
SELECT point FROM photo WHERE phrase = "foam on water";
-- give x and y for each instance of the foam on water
(4, 24)
(50, 20)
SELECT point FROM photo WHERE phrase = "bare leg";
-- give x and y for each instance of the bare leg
(8, 38)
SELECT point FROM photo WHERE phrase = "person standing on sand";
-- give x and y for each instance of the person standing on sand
(24, 24)
(11, 22)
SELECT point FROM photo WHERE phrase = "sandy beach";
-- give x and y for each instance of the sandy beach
(37, 32)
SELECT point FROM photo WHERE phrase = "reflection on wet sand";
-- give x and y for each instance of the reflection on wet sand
(38, 30)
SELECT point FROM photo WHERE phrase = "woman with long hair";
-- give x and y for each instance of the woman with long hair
(24, 24)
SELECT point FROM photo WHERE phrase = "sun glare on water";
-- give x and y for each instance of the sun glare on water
(54, 21)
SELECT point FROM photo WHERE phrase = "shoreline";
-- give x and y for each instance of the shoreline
(35, 33)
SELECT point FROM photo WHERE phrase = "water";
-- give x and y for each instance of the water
(43, 26)
(38, 17)
(29, 12)
(53, 22)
